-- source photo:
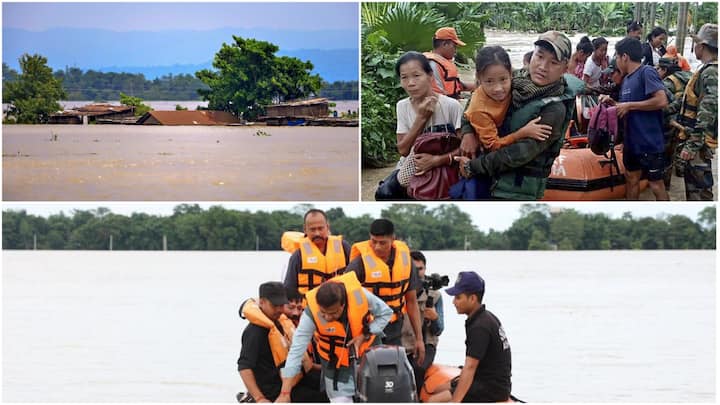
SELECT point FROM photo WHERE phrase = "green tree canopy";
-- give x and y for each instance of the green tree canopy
(35, 93)
(248, 76)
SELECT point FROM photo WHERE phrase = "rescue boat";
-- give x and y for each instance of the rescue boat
(437, 375)
(578, 174)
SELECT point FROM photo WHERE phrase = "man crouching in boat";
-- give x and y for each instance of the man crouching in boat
(486, 374)
(265, 343)
(339, 313)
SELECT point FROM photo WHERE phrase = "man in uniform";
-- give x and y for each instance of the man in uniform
(520, 170)
(445, 73)
(320, 256)
(383, 266)
(698, 116)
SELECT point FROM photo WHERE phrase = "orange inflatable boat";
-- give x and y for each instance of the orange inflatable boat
(437, 375)
(579, 174)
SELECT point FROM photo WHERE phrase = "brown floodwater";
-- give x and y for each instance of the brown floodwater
(179, 163)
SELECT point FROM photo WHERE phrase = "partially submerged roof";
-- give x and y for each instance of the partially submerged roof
(311, 101)
(189, 118)
(96, 109)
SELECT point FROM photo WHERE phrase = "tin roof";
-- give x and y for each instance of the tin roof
(95, 109)
(191, 117)
(311, 101)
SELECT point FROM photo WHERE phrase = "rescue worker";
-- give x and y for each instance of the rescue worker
(340, 314)
(265, 343)
(698, 117)
(319, 257)
(447, 79)
(675, 79)
(520, 170)
(383, 266)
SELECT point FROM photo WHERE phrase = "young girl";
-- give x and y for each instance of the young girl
(490, 102)
(421, 112)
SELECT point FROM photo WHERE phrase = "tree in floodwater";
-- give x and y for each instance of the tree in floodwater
(34, 94)
(248, 76)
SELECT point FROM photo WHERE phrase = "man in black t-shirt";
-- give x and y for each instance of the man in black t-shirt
(486, 374)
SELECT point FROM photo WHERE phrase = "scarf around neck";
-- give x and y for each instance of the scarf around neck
(523, 88)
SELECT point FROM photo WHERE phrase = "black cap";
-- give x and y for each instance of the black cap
(274, 291)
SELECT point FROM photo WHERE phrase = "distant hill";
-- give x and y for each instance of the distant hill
(332, 65)
(334, 53)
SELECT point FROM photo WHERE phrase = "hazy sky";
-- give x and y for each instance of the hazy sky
(485, 215)
(137, 16)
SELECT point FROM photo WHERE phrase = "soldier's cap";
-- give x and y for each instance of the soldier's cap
(467, 282)
(449, 34)
(707, 35)
(274, 291)
(558, 42)
(667, 62)
(612, 66)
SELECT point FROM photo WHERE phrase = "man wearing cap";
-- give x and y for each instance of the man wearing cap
(447, 79)
(319, 257)
(485, 377)
(520, 170)
(642, 99)
(384, 266)
(698, 116)
(265, 343)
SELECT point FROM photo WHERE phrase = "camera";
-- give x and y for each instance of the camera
(435, 282)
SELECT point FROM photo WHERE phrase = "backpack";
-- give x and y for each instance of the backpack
(602, 129)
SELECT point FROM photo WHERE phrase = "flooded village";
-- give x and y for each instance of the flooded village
(183, 155)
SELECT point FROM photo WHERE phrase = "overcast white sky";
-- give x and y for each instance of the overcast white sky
(486, 215)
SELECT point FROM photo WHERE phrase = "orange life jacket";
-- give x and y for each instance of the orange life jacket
(279, 341)
(390, 285)
(316, 267)
(449, 73)
(331, 337)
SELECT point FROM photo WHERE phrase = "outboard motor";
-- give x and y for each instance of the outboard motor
(385, 375)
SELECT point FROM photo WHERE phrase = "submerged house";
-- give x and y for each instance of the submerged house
(92, 113)
(316, 107)
(202, 117)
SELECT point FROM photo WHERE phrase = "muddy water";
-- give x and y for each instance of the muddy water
(126, 163)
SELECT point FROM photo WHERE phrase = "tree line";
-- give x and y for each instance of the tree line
(106, 86)
(444, 227)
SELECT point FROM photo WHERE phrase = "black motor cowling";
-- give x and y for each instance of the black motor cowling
(385, 375)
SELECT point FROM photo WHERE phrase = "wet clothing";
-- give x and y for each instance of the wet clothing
(594, 71)
(295, 265)
(644, 129)
(486, 342)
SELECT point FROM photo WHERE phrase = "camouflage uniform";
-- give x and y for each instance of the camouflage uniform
(675, 84)
(702, 130)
